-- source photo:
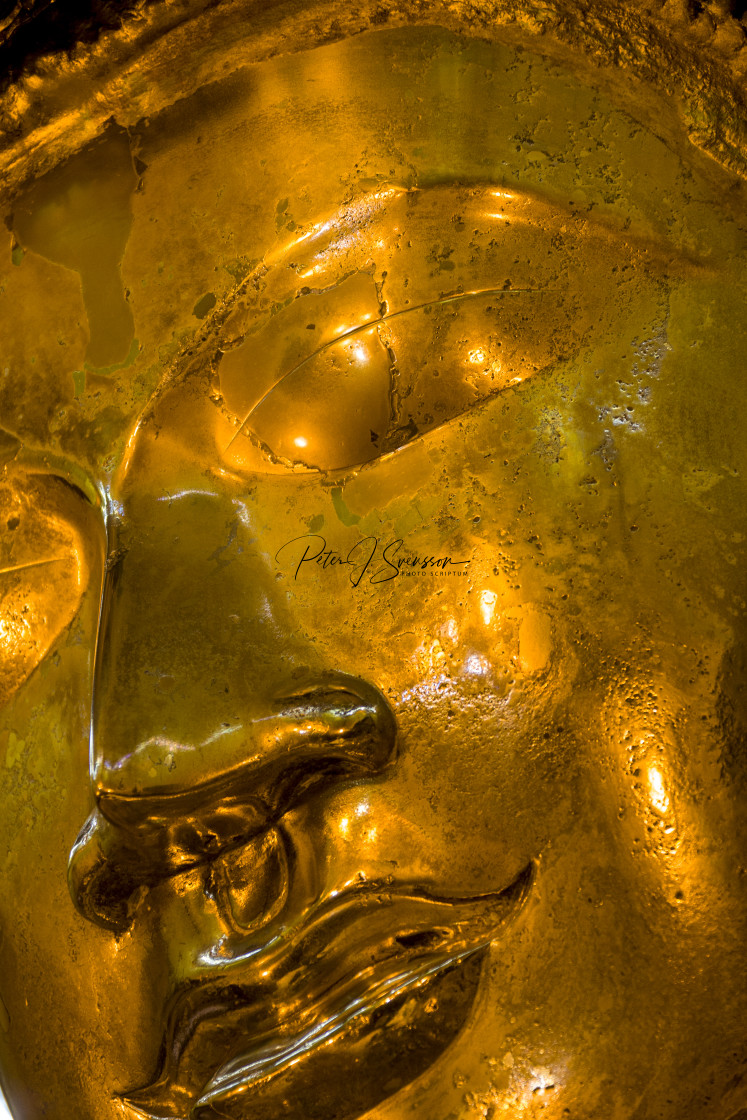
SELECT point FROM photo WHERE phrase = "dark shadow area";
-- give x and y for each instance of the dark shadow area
(30, 29)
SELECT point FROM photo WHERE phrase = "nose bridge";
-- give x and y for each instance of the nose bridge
(189, 614)
(193, 647)
(328, 729)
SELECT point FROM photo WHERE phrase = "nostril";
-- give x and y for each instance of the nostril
(340, 728)
(342, 701)
(102, 887)
(421, 939)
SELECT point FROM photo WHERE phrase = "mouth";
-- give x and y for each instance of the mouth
(330, 1012)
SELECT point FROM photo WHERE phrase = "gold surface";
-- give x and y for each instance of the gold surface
(391, 392)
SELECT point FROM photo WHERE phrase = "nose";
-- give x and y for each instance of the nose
(328, 730)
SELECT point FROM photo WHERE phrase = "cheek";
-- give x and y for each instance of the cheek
(467, 630)
(411, 569)
(481, 785)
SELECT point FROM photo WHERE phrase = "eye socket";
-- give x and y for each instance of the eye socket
(400, 312)
(381, 384)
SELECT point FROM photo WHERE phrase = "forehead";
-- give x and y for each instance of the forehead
(298, 135)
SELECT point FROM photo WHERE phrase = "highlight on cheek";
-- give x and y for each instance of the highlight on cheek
(657, 791)
(43, 571)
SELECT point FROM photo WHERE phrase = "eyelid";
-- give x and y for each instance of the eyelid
(49, 555)
(475, 293)
(76, 489)
(365, 267)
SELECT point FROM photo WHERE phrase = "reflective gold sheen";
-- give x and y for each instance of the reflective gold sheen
(372, 568)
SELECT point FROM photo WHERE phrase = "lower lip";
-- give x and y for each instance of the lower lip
(275, 1059)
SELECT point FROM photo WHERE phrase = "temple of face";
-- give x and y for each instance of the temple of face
(399, 437)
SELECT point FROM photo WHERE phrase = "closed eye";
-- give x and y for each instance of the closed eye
(381, 384)
(425, 305)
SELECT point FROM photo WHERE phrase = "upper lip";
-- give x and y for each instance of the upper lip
(291, 984)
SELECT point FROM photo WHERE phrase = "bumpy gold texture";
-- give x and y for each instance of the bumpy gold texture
(372, 526)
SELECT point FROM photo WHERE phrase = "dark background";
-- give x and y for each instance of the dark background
(31, 28)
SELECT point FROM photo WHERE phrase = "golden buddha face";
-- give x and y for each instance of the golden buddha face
(416, 781)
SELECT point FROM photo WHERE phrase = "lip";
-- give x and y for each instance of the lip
(288, 988)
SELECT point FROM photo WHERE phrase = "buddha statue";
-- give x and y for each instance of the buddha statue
(372, 516)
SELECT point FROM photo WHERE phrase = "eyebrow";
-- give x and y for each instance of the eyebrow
(530, 205)
(608, 224)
